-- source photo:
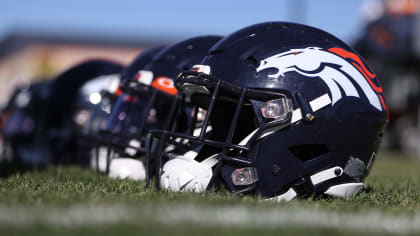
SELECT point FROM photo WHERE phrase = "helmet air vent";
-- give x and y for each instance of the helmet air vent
(307, 152)
(252, 61)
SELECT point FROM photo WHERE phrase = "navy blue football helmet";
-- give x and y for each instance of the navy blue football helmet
(293, 112)
(38, 122)
(113, 102)
(109, 95)
(145, 103)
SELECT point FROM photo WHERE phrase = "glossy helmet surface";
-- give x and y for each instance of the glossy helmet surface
(293, 112)
(145, 102)
(42, 116)
(66, 100)
(113, 102)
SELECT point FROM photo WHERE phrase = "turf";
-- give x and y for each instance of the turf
(71, 200)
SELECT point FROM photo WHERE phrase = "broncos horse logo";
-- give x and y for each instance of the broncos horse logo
(316, 62)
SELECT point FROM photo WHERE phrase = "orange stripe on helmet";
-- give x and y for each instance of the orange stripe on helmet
(384, 105)
(118, 92)
(376, 88)
(346, 54)
(359, 65)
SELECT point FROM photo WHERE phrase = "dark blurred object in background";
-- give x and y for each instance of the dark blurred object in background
(38, 125)
(390, 44)
(392, 32)
(18, 120)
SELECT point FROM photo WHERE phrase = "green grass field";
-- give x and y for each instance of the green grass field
(70, 200)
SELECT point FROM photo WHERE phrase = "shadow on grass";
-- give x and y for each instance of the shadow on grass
(9, 168)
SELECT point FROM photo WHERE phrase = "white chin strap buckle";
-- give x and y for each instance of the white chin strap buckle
(127, 168)
(184, 174)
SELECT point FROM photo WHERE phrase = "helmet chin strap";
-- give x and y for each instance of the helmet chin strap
(183, 174)
(347, 190)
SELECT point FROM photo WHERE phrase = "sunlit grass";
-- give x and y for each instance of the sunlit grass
(393, 188)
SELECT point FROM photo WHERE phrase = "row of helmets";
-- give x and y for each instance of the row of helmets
(277, 109)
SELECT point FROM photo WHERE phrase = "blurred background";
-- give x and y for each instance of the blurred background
(39, 39)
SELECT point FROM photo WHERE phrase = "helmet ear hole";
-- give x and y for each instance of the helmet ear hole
(307, 152)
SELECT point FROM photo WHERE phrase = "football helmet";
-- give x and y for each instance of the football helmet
(67, 100)
(98, 127)
(38, 121)
(91, 110)
(145, 103)
(293, 111)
